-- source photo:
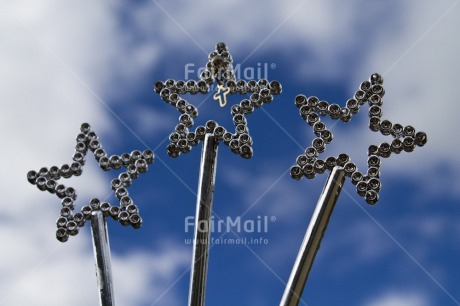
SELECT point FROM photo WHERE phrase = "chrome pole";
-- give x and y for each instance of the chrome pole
(313, 237)
(202, 221)
(102, 255)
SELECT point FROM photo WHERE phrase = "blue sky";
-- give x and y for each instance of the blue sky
(64, 63)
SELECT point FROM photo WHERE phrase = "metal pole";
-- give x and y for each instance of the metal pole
(202, 221)
(102, 254)
(313, 237)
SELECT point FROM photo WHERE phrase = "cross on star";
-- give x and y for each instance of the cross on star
(368, 185)
(219, 69)
(127, 213)
(221, 95)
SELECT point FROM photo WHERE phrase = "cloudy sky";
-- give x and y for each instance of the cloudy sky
(63, 63)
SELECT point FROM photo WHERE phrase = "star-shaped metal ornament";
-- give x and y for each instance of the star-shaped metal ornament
(127, 213)
(367, 184)
(219, 69)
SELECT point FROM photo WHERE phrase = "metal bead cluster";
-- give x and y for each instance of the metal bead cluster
(367, 184)
(126, 213)
(218, 69)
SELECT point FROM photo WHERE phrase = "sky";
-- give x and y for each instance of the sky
(63, 63)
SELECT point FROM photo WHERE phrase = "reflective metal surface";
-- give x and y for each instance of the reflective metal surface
(367, 184)
(202, 236)
(126, 213)
(68, 223)
(102, 256)
(219, 75)
(313, 237)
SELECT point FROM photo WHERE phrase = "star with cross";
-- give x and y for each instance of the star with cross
(219, 69)
(127, 213)
(368, 185)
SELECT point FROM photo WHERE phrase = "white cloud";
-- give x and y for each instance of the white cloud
(148, 120)
(413, 47)
(269, 186)
(37, 270)
(58, 61)
(148, 277)
(318, 34)
(399, 299)
(420, 81)
(55, 53)
(418, 86)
